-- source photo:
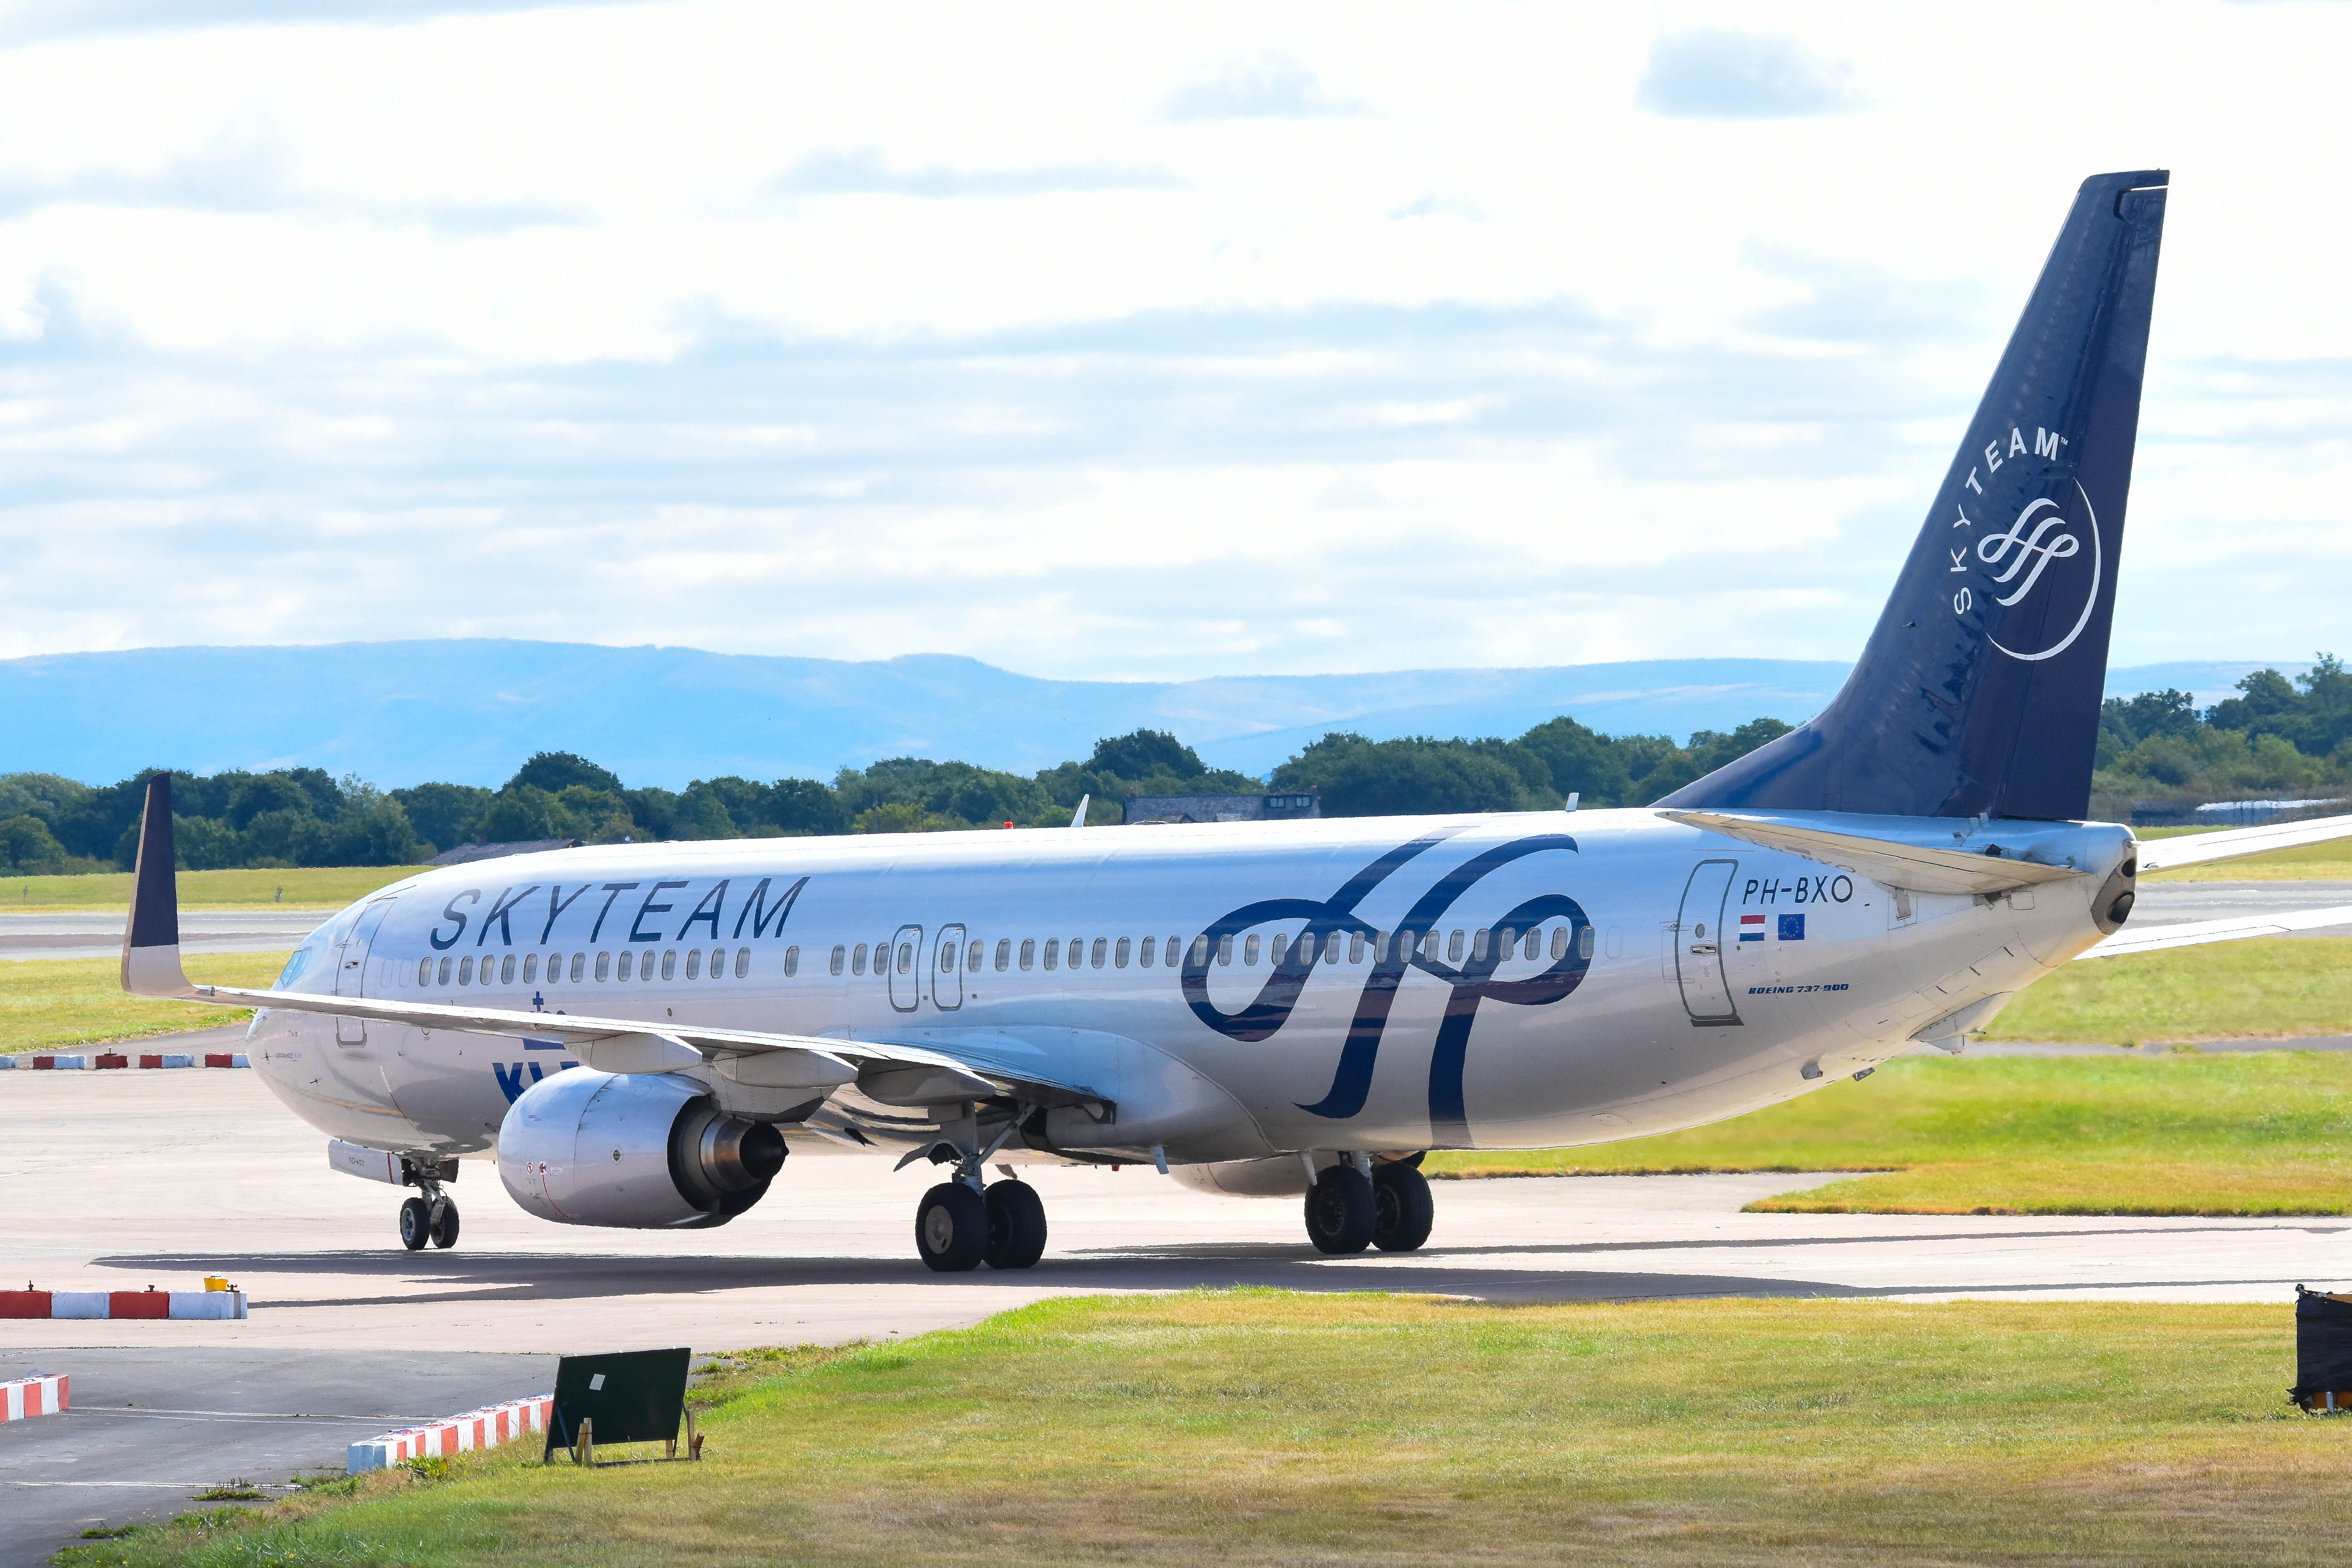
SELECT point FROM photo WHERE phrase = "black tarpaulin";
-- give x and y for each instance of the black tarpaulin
(2322, 1347)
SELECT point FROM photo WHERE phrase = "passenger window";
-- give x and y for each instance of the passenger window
(840, 957)
(506, 970)
(424, 971)
(718, 963)
(1454, 946)
(1225, 947)
(882, 958)
(1175, 946)
(1052, 950)
(1559, 942)
(792, 962)
(580, 962)
(530, 967)
(464, 972)
(973, 958)
(645, 965)
(1277, 948)
(742, 964)
(1356, 947)
(694, 963)
(906, 958)
(947, 958)
(1004, 954)
(1028, 952)
(1534, 948)
(1199, 952)
(1101, 946)
(1119, 959)
(670, 964)
(1584, 943)
(1479, 943)
(858, 960)
(1249, 949)
(604, 967)
(1331, 948)
(1143, 957)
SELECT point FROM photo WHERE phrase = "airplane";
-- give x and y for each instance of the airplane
(639, 1035)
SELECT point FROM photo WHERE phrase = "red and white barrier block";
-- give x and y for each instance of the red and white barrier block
(71, 1061)
(23, 1398)
(484, 1429)
(181, 1304)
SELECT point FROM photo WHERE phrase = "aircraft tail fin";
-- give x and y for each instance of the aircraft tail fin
(1979, 691)
(150, 940)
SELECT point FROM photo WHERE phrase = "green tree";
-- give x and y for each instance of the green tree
(443, 814)
(29, 848)
(555, 772)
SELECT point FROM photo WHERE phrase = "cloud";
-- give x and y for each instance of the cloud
(864, 173)
(1709, 74)
(1271, 87)
(40, 21)
(248, 166)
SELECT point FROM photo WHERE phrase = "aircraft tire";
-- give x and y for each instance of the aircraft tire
(415, 1223)
(445, 1224)
(1340, 1211)
(1017, 1226)
(951, 1228)
(1403, 1208)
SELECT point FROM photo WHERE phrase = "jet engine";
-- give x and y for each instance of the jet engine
(642, 1150)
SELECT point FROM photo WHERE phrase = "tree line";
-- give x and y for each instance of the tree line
(2156, 754)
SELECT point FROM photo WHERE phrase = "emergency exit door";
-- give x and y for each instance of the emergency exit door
(1698, 943)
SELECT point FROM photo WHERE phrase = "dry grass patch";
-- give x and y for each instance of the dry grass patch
(310, 887)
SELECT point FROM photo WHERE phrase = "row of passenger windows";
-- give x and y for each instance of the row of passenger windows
(500, 970)
(1118, 953)
(1078, 952)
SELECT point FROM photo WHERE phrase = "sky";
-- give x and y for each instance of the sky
(1141, 342)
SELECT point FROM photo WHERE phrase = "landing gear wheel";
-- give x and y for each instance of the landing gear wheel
(1017, 1226)
(445, 1224)
(951, 1228)
(1402, 1208)
(415, 1223)
(1340, 1210)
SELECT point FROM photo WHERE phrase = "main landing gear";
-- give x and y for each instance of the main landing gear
(1356, 1203)
(964, 1222)
(433, 1217)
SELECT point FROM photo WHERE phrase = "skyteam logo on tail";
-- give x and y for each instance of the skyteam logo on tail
(2030, 559)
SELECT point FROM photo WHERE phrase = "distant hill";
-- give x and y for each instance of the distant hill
(468, 711)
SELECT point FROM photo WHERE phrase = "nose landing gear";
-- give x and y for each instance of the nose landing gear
(432, 1217)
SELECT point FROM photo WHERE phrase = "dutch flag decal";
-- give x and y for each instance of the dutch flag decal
(1751, 928)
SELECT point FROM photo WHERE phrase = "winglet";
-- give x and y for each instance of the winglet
(1079, 817)
(151, 942)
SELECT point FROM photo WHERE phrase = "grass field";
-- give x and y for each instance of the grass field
(1253, 1427)
(2330, 862)
(49, 1003)
(2172, 1133)
(2275, 986)
(319, 888)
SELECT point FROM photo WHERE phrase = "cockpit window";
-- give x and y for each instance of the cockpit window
(295, 965)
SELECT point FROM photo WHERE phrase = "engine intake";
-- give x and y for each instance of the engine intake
(640, 1149)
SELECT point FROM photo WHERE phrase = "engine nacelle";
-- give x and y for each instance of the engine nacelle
(642, 1150)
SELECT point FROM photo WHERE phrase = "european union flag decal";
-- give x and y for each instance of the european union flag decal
(1792, 928)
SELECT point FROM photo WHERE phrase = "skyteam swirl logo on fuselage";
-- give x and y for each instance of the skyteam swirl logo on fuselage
(1472, 982)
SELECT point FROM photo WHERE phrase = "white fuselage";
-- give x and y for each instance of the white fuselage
(1674, 976)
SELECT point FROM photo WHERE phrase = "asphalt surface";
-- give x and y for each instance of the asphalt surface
(151, 1428)
(97, 934)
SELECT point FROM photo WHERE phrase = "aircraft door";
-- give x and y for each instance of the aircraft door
(1698, 944)
(350, 968)
(947, 970)
(906, 969)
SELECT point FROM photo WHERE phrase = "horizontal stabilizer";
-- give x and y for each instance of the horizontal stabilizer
(1918, 868)
(2196, 848)
(2196, 933)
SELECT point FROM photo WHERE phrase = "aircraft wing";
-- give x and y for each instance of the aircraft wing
(895, 1073)
(2193, 934)
(1919, 868)
(2196, 848)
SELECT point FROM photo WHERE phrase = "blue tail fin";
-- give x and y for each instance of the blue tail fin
(1980, 689)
